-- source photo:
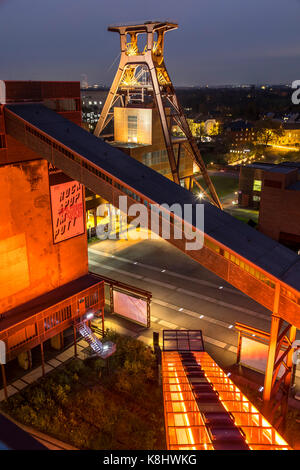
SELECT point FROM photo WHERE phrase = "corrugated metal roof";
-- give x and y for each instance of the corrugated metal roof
(266, 253)
(44, 301)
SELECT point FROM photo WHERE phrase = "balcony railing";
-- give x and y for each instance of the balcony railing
(53, 320)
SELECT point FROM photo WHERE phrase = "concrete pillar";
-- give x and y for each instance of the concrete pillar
(4, 381)
(95, 217)
(25, 360)
(57, 342)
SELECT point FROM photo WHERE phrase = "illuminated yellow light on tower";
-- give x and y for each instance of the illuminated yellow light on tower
(133, 125)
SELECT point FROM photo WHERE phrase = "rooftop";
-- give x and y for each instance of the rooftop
(282, 169)
(38, 304)
(143, 26)
(260, 166)
(239, 125)
(294, 186)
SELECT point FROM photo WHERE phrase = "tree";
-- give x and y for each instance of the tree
(215, 129)
(268, 131)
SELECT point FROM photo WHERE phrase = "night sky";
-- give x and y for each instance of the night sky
(218, 41)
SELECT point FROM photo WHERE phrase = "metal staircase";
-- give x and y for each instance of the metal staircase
(103, 350)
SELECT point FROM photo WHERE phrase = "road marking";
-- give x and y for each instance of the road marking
(215, 342)
(206, 318)
(184, 291)
(112, 268)
(167, 271)
(160, 283)
(172, 326)
(224, 304)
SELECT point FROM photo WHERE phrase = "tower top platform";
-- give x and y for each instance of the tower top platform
(143, 27)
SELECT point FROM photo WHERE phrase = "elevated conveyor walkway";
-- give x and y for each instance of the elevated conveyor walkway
(204, 410)
(245, 258)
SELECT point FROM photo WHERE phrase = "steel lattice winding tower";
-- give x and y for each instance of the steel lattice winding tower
(130, 81)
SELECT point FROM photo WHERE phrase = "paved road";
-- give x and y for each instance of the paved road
(184, 293)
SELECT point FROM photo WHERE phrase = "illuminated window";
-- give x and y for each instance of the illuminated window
(132, 128)
(146, 158)
(212, 246)
(257, 185)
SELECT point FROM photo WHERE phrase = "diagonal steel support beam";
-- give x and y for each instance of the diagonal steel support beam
(277, 358)
(162, 91)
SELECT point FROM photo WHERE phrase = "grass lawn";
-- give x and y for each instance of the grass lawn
(98, 405)
(224, 184)
(242, 219)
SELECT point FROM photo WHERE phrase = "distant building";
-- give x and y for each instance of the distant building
(279, 214)
(92, 101)
(275, 191)
(241, 132)
(250, 184)
(290, 126)
(291, 134)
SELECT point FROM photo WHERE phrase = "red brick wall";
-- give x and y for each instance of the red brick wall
(30, 263)
(279, 212)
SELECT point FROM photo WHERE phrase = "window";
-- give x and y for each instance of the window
(257, 185)
(132, 128)
(234, 259)
(256, 198)
(2, 141)
(146, 159)
(212, 246)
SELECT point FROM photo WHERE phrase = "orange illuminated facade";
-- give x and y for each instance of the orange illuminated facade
(187, 428)
(45, 285)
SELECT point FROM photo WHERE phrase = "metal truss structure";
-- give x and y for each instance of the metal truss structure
(142, 77)
(279, 371)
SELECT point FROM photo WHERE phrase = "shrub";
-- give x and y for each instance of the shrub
(75, 366)
(71, 404)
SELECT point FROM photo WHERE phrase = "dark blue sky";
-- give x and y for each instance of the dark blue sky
(218, 41)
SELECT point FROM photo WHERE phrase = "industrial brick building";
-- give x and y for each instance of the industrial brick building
(279, 213)
(274, 190)
(250, 184)
(44, 281)
(44, 278)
